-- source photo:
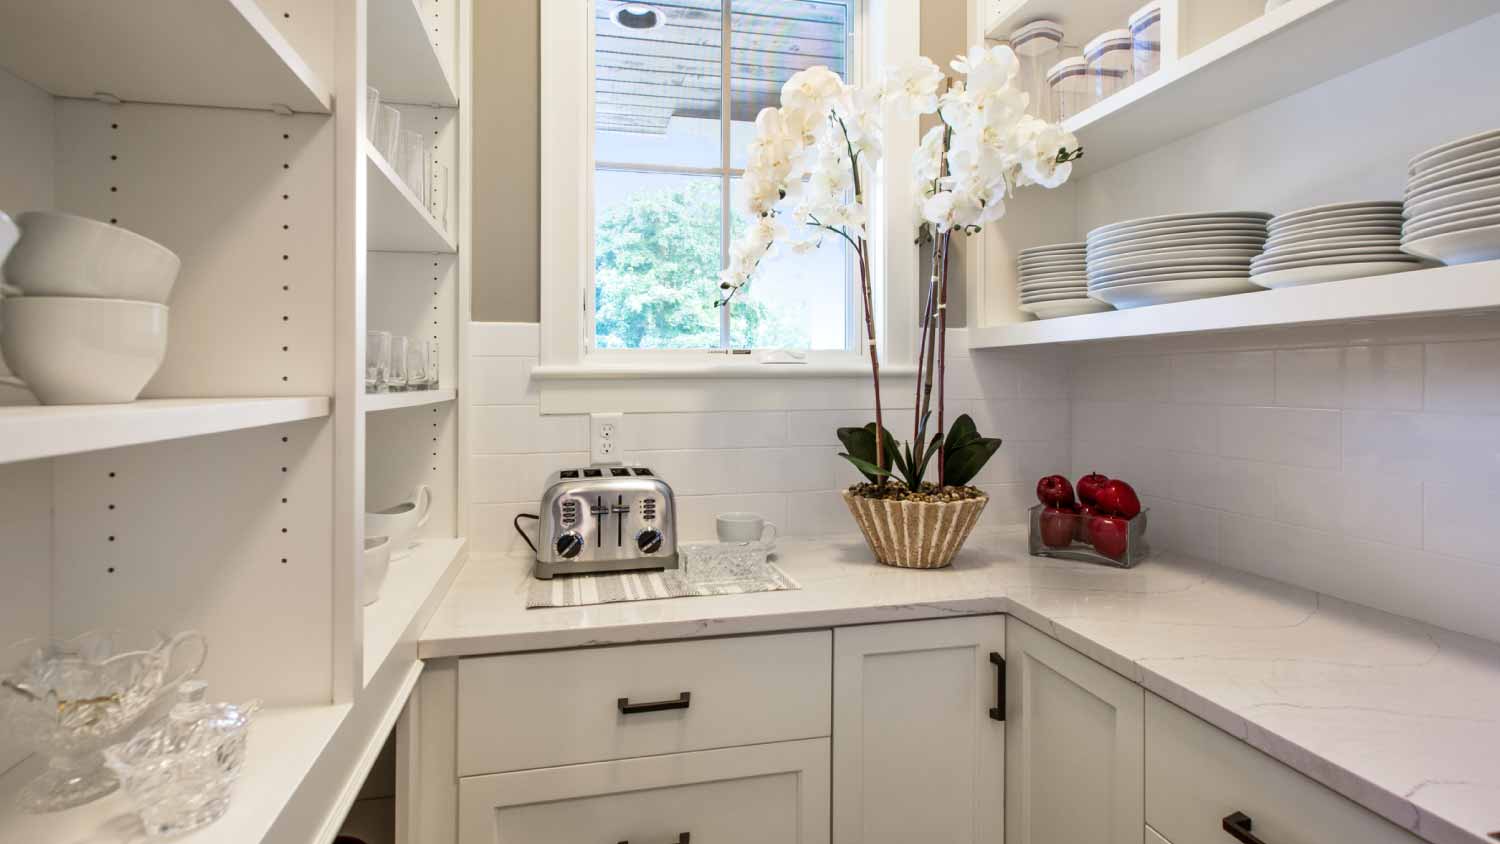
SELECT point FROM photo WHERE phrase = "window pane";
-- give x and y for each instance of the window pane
(657, 82)
(769, 41)
(657, 255)
(794, 301)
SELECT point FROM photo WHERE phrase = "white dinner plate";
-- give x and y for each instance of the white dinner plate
(1169, 278)
(1054, 285)
(1320, 273)
(1225, 262)
(1190, 218)
(1055, 297)
(1454, 199)
(1161, 293)
(1043, 266)
(1415, 191)
(1469, 211)
(1477, 160)
(1051, 247)
(1211, 241)
(1334, 245)
(1342, 209)
(1148, 239)
(1462, 247)
(1333, 233)
(1054, 310)
(1167, 229)
(1075, 290)
(1061, 275)
(1334, 219)
(1453, 150)
(1416, 230)
(1178, 256)
(1166, 273)
(1392, 253)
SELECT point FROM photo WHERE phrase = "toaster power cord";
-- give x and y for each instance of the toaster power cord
(517, 523)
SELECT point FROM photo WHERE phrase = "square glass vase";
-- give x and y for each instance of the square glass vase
(1066, 536)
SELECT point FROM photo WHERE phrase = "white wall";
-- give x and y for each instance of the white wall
(1354, 460)
(782, 464)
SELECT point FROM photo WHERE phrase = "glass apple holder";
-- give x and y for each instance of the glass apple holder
(1066, 536)
(71, 698)
(180, 771)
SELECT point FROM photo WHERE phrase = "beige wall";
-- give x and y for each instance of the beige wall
(506, 189)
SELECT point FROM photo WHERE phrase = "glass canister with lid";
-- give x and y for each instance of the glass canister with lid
(1145, 40)
(1108, 58)
(1038, 45)
(1069, 83)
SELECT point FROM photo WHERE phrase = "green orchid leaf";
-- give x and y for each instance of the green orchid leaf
(962, 432)
(868, 469)
(962, 465)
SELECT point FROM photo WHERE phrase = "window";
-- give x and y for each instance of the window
(676, 88)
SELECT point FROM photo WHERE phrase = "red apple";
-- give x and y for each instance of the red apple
(1109, 535)
(1089, 486)
(1081, 522)
(1057, 528)
(1054, 491)
(1118, 498)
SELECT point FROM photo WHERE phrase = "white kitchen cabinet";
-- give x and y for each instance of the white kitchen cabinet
(745, 795)
(916, 753)
(1200, 779)
(1074, 736)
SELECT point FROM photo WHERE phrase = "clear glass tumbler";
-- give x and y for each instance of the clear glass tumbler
(396, 380)
(387, 133)
(377, 360)
(412, 163)
(416, 366)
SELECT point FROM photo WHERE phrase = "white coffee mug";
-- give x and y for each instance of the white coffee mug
(744, 527)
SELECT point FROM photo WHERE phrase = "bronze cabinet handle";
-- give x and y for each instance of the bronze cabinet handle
(627, 708)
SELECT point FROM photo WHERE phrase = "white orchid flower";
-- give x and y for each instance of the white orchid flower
(988, 69)
(913, 87)
(811, 91)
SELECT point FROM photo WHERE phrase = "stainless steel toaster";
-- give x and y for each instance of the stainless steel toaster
(606, 518)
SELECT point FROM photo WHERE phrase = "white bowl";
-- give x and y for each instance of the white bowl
(1346, 256)
(1460, 247)
(71, 350)
(1065, 308)
(67, 255)
(1166, 292)
(401, 521)
(1320, 273)
(377, 566)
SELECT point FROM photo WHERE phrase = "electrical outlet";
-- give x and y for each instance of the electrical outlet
(605, 432)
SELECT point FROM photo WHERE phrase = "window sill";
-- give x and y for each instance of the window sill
(723, 369)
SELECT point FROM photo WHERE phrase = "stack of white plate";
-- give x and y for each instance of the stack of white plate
(1332, 242)
(1174, 258)
(1453, 201)
(1055, 282)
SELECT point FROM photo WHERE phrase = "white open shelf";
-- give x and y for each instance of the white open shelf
(1250, 67)
(1467, 288)
(284, 744)
(404, 65)
(183, 52)
(412, 591)
(374, 402)
(32, 432)
(398, 221)
(1080, 19)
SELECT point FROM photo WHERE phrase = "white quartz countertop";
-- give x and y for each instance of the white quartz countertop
(1399, 716)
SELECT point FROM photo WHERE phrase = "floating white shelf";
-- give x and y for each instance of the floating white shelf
(284, 744)
(1445, 290)
(404, 65)
(374, 402)
(413, 589)
(398, 221)
(183, 52)
(33, 432)
(1274, 56)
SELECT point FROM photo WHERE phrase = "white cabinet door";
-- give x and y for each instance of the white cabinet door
(1074, 741)
(744, 795)
(916, 755)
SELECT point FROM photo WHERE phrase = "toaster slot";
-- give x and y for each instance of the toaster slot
(568, 473)
(620, 472)
(643, 472)
(592, 473)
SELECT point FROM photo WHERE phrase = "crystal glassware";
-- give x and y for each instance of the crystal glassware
(416, 366)
(412, 166)
(181, 770)
(396, 378)
(377, 360)
(387, 133)
(434, 379)
(71, 698)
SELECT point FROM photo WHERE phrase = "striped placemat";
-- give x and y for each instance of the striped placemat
(706, 570)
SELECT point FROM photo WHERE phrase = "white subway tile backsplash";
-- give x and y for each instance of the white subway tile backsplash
(1383, 377)
(1294, 436)
(1384, 509)
(1309, 377)
(506, 339)
(501, 380)
(1458, 520)
(662, 431)
(519, 429)
(518, 477)
(1224, 378)
(1181, 427)
(1424, 446)
(1463, 377)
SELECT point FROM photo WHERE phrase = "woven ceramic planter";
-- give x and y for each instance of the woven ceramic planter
(915, 534)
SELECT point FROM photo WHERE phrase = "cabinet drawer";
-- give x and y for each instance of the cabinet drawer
(1198, 775)
(743, 795)
(537, 710)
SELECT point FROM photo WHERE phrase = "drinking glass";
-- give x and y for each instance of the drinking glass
(372, 111)
(396, 379)
(377, 360)
(412, 166)
(387, 133)
(416, 366)
(434, 381)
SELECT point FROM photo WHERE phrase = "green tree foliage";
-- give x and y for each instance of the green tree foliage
(657, 261)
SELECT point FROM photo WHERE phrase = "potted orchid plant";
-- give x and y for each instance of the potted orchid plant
(810, 170)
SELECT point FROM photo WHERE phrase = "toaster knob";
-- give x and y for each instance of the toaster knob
(649, 540)
(569, 544)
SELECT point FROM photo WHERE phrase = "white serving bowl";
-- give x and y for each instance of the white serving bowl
(67, 255)
(71, 350)
(401, 521)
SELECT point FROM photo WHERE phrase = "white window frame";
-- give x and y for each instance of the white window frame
(888, 34)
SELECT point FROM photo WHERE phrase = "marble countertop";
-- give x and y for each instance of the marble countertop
(1399, 716)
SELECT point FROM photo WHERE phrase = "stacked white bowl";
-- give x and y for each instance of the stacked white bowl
(1453, 201)
(1054, 281)
(1332, 242)
(1175, 257)
(84, 318)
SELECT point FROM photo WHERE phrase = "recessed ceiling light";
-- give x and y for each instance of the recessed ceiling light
(639, 17)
